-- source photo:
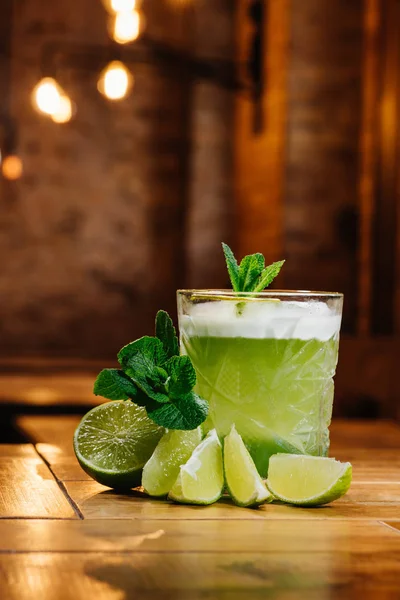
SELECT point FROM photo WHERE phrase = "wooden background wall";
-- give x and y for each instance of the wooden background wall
(97, 235)
(319, 185)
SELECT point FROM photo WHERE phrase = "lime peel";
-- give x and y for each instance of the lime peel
(201, 479)
(308, 480)
(173, 450)
(242, 478)
(113, 442)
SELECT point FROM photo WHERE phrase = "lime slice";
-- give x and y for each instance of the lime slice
(308, 480)
(242, 479)
(114, 441)
(201, 479)
(173, 450)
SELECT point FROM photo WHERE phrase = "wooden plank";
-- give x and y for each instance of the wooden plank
(193, 536)
(260, 156)
(13, 450)
(95, 502)
(55, 430)
(368, 148)
(393, 524)
(385, 235)
(28, 489)
(191, 575)
(321, 179)
(372, 466)
(387, 492)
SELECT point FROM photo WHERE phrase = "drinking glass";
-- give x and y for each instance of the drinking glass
(265, 362)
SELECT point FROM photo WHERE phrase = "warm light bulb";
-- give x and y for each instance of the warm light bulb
(127, 26)
(116, 6)
(64, 111)
(123, 5)
(46, 96)
(12, 167)
(115, 81)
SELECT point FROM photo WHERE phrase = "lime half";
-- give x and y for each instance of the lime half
(308, 480)
(242, 479)
(114, 441)
(201, 479)
(173, 450)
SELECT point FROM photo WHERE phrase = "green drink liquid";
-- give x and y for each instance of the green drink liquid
(278, 391)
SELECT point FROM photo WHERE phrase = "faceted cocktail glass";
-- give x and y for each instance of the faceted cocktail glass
(265, 362)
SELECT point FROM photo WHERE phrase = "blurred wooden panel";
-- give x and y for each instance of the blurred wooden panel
(208, 575)
(386, 243)
(259, 156)
(367, 381)
(28, 489)
(44, 390)
(368, 152)
(220, 536)
(372, 435)
(321, 186)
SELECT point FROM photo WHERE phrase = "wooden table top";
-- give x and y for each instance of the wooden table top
(63, 536)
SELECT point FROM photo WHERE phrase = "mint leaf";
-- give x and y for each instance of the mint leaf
(150, 348)
(252, 275)
(140, 360)
(268, 275)
(233, 268)
(182, 376)
(185, 413)
(113, 384)
(165, 332)
(250, 270)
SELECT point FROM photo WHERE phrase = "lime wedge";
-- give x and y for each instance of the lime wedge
(308, 480)
(114, 441)
(201, 479)
(173, 450)
(242, 479)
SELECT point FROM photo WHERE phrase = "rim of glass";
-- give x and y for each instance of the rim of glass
(264, 294)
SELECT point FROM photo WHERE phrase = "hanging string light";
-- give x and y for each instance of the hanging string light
(46, 96)
(64, 112)
(12, 167)
(49, 98)
(126, 27)
(115, 81)
(116, 6)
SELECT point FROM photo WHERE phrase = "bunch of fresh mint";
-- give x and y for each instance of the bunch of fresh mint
(153, 375)
(251, 275)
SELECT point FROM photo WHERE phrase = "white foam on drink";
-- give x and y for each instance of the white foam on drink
(279, 320)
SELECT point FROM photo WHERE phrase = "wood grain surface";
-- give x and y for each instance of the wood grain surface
(82, 540)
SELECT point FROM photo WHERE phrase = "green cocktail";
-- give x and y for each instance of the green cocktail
(265, 362)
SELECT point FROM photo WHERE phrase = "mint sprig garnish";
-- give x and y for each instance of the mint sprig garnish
(251, 275)
(153, 375)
